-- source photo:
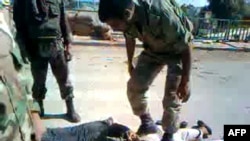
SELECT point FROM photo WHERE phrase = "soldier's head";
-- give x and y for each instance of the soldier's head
(116, 13)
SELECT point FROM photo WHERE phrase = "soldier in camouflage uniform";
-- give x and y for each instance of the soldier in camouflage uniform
(17, 108)
(43, 31)
(166, 36)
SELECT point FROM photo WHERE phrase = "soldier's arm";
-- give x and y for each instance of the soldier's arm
(38, 126)
(186, 64)
(64, 23)
(34, 108)
(18, 16)
(130, 47)
(16, 12)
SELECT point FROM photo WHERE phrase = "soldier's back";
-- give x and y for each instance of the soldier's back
(15, 122)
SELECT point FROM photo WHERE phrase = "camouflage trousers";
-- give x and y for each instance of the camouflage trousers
(45, 52)
(147, 68)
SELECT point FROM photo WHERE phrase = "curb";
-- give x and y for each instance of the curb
(214, 49)
(228, 47)
(209, 47)
(102, 43)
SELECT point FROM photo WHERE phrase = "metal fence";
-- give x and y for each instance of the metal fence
(89, 5)
(222, 29)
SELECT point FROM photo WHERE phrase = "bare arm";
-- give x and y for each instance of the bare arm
(36, 120)
(38, 126)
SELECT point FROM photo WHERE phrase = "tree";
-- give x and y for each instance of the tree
(227, 9)
(246, 12)
(190, 10)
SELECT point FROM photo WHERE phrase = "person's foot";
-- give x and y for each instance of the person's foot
(42, 112)
(72, 116)
(40, 103)
(109, 121)
(148, 128)
(158, 122)
(147, 125)
(167, 137)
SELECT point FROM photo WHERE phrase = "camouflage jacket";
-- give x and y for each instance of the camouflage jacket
(160, 25)
(15, 82)
(33, 22)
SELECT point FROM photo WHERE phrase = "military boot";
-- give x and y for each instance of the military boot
(167, 137)
(147, 125)
(40, 103)
(71, 113)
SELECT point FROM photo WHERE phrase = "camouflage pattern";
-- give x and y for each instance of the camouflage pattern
(165, 33)
(173, 32)
(29, 26)
(147, 68)
(44, 47)
(15, 80)
(43, 53)
(47, 20)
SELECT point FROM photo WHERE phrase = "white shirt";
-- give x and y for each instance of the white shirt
(188, 134)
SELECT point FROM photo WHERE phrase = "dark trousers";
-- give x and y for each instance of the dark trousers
(92, 131)
(45, 52)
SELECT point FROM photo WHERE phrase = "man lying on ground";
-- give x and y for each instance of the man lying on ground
(108, 130)
(102, 130)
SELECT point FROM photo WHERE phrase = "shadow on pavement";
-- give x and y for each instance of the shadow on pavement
(54, 116)
(99, 44)
(102, 43)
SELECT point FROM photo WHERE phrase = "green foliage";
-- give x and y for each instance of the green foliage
(246, 12)
(227, 9)
(190, 10)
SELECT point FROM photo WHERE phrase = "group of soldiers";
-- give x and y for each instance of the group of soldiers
(43, 37)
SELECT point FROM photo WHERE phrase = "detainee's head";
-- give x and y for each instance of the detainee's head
(116, 132)
(116, 13)
(204, 128)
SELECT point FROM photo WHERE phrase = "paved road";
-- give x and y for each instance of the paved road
(220, 88)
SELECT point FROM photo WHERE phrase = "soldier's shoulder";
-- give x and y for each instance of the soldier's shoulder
(5, 43)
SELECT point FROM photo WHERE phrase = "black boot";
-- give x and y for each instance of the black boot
(167, 137)
(71, 113)
(40, 103)
(147, 125)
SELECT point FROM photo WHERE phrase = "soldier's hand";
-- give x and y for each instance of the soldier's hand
(130, 69)
(67, 54)
(183, 92)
